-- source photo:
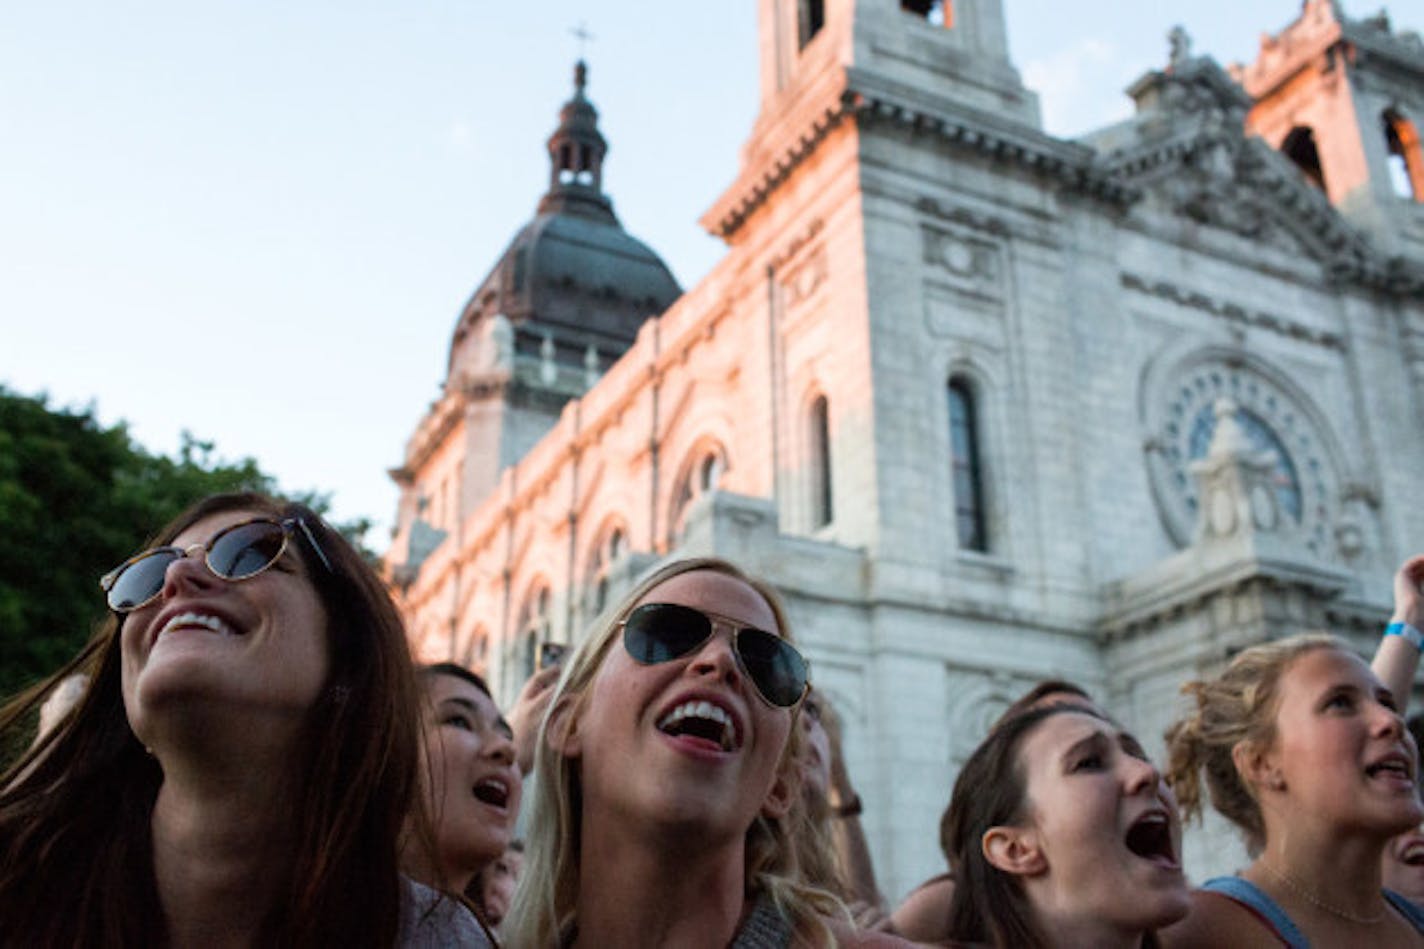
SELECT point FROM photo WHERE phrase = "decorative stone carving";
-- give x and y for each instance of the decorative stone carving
(1234, 481)
(964, 262)
(1186, 432)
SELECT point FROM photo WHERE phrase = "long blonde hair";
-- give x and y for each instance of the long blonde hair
(1237, 706)
(546, 899)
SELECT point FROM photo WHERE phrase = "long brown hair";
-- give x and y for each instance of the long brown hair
(990, 905)
(76, 863)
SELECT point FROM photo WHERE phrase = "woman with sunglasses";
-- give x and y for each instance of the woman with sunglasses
(666, 772)
(241, 766)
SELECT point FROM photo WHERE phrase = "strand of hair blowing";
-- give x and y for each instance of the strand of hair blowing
(1237, 706)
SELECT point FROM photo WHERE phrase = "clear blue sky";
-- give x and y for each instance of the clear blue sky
(258, 220)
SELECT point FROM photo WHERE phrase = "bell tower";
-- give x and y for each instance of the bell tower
(957, 48)
(1343, 99)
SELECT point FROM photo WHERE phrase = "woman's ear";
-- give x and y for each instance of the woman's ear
(1014, 850)
(561, 732)
(1257, 767)
(784, 790)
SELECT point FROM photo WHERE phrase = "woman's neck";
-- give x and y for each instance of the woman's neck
(221, 844)
(1336, 873)
(635, 892)
(1075, 931)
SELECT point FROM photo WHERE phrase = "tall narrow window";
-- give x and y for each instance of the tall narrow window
(1406, 160)
(968, 473)
(810, 17)
(820, 467)
(1299, 147)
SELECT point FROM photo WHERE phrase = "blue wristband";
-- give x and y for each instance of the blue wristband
(1410, 634)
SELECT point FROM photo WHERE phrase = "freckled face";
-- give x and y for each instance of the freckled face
(631, 767)
(255, 647)
(1106, 822)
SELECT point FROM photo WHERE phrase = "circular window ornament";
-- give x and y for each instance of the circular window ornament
(1274, 425)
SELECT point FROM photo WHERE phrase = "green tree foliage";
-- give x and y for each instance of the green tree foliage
(76, 498)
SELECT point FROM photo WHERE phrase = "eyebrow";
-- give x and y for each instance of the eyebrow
(500, 723)
(1096, 738)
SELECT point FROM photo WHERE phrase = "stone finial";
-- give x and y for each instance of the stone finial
(1179, 42)
(501, 337)
(590, 366)
(548, 369)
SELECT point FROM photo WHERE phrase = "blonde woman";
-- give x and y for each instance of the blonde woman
(1304, 749)
(665, 776)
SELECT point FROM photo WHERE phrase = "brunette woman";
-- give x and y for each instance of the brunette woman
(665, 774)
(924, 914)
(472, 783)
(1063, 834)
(240, 767)
(1303, 748)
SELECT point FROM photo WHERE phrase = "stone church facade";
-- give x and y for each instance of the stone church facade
(988, 406)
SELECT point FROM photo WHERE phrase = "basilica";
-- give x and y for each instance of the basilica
(986, 405)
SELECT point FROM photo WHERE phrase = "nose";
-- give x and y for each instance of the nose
(189, 573)
(498, 746)
(1387, 723)
(716, 659)
(1140, 775)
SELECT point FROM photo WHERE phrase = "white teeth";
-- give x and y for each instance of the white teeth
(703, 710)
(197, 619)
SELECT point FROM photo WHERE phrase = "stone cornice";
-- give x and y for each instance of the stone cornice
(1232, 312)
(870, 101)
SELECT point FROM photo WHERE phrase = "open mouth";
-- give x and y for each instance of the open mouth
(1413, 855)
(198, 621)
(1150, 837)
(492, 791)
(701, 721)
(1394, 765)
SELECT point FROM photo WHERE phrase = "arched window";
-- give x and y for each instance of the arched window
(702, 477)
(966, 464)
(533, 629)
(1406, 160)
(819, 466)
(607, 552)
(810, 17)
(1299, 147)
(476, 655)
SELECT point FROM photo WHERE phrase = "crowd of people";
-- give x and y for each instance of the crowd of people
(245, 754)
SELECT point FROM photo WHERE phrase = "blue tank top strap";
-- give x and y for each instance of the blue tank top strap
(1254, 898)
(1407, 908)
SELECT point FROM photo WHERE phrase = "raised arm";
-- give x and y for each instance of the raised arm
(1397, 658)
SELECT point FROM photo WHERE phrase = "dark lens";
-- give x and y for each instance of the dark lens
(775, 667)
(245, 549)
(141, 580)
(659, 632)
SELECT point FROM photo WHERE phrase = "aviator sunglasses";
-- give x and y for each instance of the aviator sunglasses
(238, 552)
(662, 632)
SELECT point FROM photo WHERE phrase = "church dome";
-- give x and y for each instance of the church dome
(572, 275)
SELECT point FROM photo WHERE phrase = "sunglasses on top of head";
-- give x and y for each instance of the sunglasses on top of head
(238, 552)
(662, 632)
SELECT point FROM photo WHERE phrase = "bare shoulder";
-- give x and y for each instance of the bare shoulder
(1216, 920)
(924, 914)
